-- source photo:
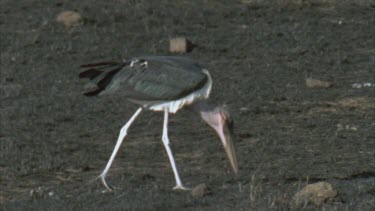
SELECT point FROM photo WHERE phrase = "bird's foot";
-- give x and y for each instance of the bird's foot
(106, 185)
(181, 187)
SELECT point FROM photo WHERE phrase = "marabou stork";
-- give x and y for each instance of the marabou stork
(160, 83)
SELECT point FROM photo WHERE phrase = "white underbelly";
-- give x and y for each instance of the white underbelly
(174, 106)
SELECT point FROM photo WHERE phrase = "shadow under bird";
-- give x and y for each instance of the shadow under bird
(160, 83)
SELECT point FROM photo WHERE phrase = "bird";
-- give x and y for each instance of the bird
(162, 84)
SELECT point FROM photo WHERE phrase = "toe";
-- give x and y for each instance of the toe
(181, 187)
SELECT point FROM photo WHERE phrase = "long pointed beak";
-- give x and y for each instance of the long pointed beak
(226, 139)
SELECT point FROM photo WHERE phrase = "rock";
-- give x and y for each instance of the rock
(357, 85)
(356, 102)
(313, 83)
(360, 85)
(316, 193)
(69, 18)
(37, 193)
(180, 45)
(200, 190)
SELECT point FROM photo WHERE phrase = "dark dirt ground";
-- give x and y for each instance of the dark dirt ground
(54, 142)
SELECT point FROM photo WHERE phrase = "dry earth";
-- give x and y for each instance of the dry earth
(54, 142)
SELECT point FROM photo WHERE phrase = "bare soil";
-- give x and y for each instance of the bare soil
(54, 142)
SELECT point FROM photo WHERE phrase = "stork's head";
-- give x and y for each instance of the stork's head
(219, 119)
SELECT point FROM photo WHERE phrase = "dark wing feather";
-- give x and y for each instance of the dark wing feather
(100, 64)
(96, 69)
(100, 74)
(90, 73)
(162, 79)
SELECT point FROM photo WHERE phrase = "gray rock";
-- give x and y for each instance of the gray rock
(200, 190)
(316, 193)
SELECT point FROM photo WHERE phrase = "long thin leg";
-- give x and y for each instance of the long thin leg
(121, 137)
(165, 139)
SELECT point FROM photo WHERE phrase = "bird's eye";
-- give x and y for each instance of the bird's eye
(228, 120)
(230, 123)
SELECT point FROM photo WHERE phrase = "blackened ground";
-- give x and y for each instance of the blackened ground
(55, 142)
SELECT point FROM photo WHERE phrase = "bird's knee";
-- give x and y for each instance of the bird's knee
(124, 130)
(123, 133)
(165, 140)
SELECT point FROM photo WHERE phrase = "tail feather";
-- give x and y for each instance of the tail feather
(100, 74)
(107, 77)
(100, 64)
(90, 73)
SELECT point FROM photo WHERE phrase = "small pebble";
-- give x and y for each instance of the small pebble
(360, 85)
(356, 86)
(200, 190)
(180, 45)
(316, 193)
(314, 83)
(69, 18)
